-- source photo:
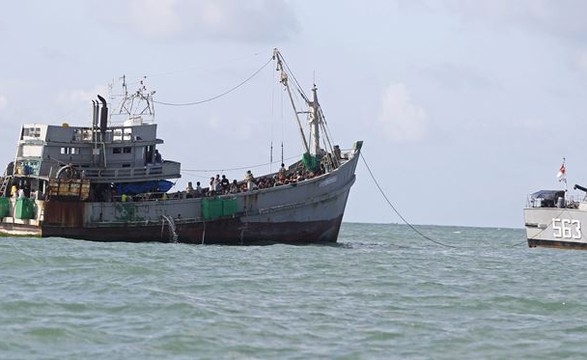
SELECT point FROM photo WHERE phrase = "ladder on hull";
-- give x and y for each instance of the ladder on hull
(5, 182)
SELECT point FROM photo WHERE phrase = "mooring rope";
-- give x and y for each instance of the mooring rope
(408, 223)
(397, 212)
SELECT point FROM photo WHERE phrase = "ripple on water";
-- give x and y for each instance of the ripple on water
(381, 292)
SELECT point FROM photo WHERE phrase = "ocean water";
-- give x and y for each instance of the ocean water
(383, 292)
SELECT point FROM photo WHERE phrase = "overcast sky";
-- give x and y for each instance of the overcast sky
(465, 106)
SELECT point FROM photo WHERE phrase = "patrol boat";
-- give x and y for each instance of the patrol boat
(106, 182)
(554, 219)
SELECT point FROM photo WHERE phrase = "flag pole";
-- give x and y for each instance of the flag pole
(562, 174)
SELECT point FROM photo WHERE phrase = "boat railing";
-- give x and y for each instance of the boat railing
(167, 169)
(153, 197)
(144, 197)
(569, 201)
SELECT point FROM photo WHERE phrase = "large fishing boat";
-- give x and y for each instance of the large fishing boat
(106, 182)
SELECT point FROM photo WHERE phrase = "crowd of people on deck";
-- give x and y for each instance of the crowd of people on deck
(220, 185)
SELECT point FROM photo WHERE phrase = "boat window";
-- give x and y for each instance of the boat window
(33, 132)
(27, 167)
(69, 151)
(116, 150)
(117, 135)
(122, 134)
(83, 134)
(127, 149)
(127, 134)
(32, 150)
(149, 153)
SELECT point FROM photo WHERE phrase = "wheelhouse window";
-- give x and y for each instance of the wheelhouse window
(31, 132)
(69, 151)
(122, 150)
(122, 134)
(31, 150)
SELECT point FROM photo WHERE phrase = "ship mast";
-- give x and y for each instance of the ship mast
(315, 120)
(285, 82)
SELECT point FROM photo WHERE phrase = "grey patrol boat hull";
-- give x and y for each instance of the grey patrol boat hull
(556, 227)
(553, 221)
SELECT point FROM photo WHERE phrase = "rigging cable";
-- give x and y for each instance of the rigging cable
(239, 168)
(397, 212)
(219, 95)
(291, 74)
(412, 226)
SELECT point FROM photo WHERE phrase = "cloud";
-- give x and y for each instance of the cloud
(561, 18)
(3, 102)
(580, 61)
(236, 20)
(458, 76)
(401, 118)
(82, 96)
(245, 128)
(536, 124)
(155, 18)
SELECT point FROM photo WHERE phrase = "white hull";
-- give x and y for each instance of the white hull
(556, 227)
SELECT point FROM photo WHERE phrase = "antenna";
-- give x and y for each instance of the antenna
(137, 104)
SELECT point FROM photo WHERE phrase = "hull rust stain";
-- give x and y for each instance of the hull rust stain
(223, 231)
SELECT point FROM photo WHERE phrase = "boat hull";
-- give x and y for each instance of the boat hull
(556, 227)
(308, 211)
(224, 232)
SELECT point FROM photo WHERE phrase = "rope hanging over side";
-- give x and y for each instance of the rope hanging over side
(219, 95)
(412, 226)
(397, 212)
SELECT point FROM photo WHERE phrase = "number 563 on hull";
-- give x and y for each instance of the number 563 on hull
(552, 220)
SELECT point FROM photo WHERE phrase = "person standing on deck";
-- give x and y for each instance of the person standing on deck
(224, 183)
(217, 188)
(281, 175)
(212, 187)
(250, 179)
(198, 189)
(233, 187)
(189, 190)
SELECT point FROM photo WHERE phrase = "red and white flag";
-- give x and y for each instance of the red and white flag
(561, 172)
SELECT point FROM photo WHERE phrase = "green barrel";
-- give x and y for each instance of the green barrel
(4, 207)
(24, 209)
